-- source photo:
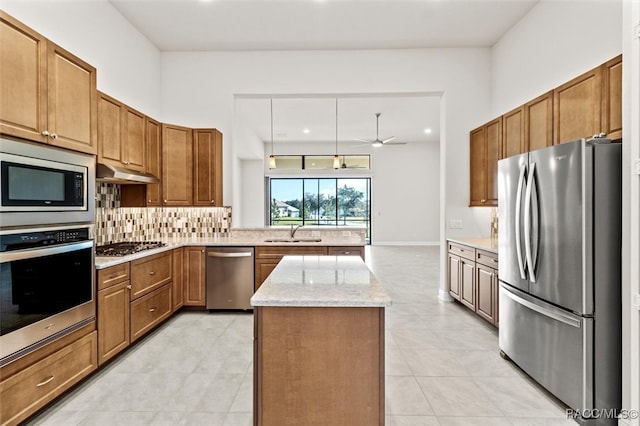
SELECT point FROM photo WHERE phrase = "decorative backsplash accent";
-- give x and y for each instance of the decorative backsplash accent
(115, 223)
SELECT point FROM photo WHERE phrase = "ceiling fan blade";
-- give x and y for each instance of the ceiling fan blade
(394, 143)
(364, 140)
(388, 139)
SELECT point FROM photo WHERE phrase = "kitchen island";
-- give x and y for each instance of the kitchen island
(319, 343)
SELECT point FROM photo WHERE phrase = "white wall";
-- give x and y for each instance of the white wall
(199, 89)
(555, 42)
(128, 64)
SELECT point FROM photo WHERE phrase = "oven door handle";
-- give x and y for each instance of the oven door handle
(11, 256)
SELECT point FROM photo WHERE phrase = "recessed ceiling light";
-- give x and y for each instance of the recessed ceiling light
(306, 131)
(427, 131)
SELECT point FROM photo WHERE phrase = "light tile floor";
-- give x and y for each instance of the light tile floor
(442, 366)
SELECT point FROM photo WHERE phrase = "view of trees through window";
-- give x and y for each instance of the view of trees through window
(321, 201)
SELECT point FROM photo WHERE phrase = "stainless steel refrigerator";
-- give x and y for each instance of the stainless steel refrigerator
(559, 259)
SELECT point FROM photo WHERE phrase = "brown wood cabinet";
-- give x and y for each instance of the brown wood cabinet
(487, 285)
(113, 311)
(34, 383)
(612, 98)
(150, 273)
(485, 151)
(121, 134)
(538, 122)
(207, 165)
(132, 299)
(194, 276)
(319, 366)
(49, 95)
(149, 195)
(472, 279)
(150, 310)
(177, 296)
(513, 134)
(577, 107)
(177, 165)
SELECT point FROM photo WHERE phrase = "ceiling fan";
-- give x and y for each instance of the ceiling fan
(377, 143)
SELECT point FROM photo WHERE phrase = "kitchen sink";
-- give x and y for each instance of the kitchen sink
(296, 240)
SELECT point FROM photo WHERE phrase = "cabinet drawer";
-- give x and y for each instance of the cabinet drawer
(150, 273)
(113, 275)
(462, 251)
(487, 258)
(278, 252)
(346, 251)
(149, 311)
(30, 389)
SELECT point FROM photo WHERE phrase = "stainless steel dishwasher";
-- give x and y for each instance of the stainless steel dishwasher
(229, 277)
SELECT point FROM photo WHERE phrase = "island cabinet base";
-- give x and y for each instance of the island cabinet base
(319, 366)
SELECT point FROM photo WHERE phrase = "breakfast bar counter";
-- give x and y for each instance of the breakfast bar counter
(319, 343)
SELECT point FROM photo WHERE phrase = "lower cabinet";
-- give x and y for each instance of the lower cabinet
(194, 276)
(133, 298)
(177, 296)
(38, 382)
(149, 311)
(472, 279)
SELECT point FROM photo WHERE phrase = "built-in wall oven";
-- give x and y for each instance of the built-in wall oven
(46, 286)
(47, 253)
(44, 185)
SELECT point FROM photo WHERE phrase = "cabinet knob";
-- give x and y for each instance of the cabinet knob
(164, 201)
(213, 201)
(483, 201)
(54, 135)
(45, 133)
(152, 309)
(152, 272)
(148, 201)
(129, 286)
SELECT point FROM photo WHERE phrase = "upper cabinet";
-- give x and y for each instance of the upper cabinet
(538, 123)
(177, 165)
(486, 150)
(612, 98)
(121, 134)
(588, 105)
(513, 142)
(48, 94)
(207, 167)
(577, 109)
(154, 162)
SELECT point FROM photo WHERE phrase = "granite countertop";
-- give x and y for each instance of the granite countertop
(248, 237)
(484, 243)
(321, 281)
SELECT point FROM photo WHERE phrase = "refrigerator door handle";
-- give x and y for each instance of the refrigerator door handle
(527, 222)
(558, 316)
(523, 170)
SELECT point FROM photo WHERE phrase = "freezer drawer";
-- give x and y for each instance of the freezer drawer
(551, 345)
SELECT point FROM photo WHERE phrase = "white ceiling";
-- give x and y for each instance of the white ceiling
(250, 25)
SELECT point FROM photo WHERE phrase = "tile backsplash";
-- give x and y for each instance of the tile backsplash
(115, 223)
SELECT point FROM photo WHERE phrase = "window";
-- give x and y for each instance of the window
(321, 162)
(321, 202)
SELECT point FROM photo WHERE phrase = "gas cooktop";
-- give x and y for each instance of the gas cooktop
(125, 248)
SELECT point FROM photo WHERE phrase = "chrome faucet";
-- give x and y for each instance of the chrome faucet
(293, 230)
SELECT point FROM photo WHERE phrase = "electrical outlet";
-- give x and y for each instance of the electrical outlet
(455, 224)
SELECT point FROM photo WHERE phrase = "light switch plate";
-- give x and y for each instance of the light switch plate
(455, 223)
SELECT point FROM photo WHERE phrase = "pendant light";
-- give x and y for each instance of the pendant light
(336, 158)
(272, 158)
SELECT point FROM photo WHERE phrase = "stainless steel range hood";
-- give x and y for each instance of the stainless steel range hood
(115, 174)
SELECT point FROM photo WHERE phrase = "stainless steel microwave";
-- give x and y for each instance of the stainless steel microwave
(41, 185)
